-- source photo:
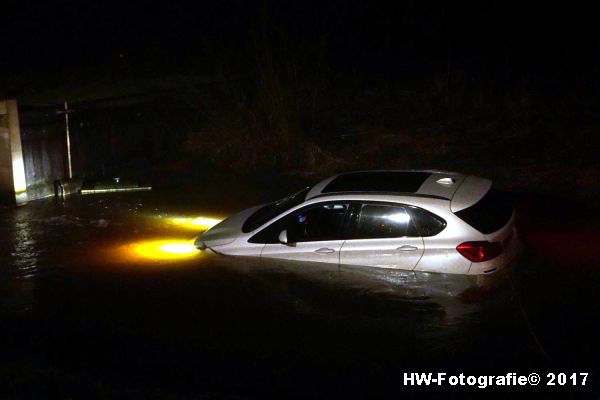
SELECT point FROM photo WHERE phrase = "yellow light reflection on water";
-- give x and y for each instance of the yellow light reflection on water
(168, 250)
(151, 253)
(162, 250)
(195, 223)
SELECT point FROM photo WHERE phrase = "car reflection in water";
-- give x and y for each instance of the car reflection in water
(445, 297)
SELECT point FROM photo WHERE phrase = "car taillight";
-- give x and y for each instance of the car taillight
(479, 251)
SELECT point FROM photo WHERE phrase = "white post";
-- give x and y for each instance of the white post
(68, 141)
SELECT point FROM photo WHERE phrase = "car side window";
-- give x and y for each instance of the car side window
(321, 222)
(380, 221)
(318, 222)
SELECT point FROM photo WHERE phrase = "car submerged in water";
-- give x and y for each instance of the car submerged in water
(432, 221)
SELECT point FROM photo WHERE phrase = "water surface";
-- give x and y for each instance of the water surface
(89, 304)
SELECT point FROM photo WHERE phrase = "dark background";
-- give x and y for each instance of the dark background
(226, 104)
(251, 89)
(501, 41)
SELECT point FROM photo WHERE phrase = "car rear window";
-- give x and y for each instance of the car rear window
(489, 214)
(381, 181)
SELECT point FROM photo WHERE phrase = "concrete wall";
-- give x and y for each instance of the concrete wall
(7, 195)
(44, 150)
(121, 136)
(32, 152)
(13, 184)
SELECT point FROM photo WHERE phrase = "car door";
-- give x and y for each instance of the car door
(315, 233)
(382, 235)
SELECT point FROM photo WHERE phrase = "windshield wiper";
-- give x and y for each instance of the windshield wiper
(291, 196)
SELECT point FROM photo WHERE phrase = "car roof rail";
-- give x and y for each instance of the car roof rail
(404, 194)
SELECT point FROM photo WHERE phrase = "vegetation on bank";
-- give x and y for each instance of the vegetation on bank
(527, 139)
(275, 111)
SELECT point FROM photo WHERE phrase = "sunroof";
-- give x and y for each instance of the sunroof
(373, 181)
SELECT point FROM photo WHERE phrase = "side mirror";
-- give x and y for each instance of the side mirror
(283, 237)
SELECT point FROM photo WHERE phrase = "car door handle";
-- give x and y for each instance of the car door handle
(406, 248)
(325, 250)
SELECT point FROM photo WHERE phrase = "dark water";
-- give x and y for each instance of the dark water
(89, 308)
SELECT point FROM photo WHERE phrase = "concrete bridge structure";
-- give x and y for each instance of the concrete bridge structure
(13, 183)
(126, 136)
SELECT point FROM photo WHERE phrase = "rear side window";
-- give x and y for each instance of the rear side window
(428, 224)
(489, 214)
(383, 221)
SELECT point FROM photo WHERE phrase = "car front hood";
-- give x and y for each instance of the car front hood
(225, 231)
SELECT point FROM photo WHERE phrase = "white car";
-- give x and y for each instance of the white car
(431, 221)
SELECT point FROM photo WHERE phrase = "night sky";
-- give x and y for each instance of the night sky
(498, 41)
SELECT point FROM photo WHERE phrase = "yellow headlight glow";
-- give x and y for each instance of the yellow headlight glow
(178, 248)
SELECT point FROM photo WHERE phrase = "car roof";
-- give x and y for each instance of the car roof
(442, 185)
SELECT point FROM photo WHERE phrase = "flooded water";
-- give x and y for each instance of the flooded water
(104, 296)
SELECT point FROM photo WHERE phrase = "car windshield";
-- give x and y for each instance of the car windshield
(271, 210)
